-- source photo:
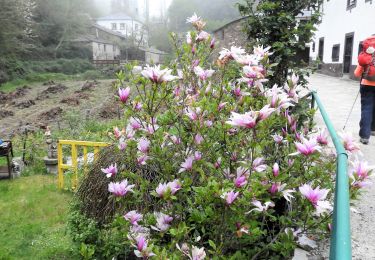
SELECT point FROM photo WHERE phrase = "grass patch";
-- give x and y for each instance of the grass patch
(33, 218)
(44, 77)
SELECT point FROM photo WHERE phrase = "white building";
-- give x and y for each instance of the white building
(125, 25)
(101, 49)
(345, 23)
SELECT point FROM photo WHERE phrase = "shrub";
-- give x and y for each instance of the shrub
(212, 163)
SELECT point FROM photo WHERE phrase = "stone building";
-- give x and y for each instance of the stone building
(231, 34)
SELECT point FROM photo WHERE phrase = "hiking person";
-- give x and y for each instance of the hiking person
(366, 71)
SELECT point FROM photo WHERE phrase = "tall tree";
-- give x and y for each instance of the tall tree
(16, 30)
(59, 21)
(278, 23)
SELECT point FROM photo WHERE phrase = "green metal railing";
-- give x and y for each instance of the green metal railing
(341, 248)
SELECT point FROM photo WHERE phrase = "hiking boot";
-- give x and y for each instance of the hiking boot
(364, 140)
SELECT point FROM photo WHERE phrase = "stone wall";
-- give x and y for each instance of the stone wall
(231, 34)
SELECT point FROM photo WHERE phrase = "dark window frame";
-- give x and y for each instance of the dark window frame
(114, 26)
(313, 47)
(122, 26)
(336, 52)
(350, 4)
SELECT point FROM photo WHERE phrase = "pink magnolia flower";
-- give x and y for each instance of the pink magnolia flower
(193, 19)
(247, 120)
(188, 38)
(110, 170)
(229, 196)
(360, 170)
(307, 147)
(157, 75)
(258, 165)
(162, 222)
(277, 138)
(293, 79)
(217, 164)
(221, 106)
(137, 106)
(117, 133)
(174, 186)
(134, 124)
(144, 145)
(142, 250)
(261, 51)
(120, 189)
(247, 60)
(142, 160)
(164, 189)
(349, 143)
(277, 187)
(198, 253)
(265, 112)
(253, 72)
(203, 74)
(176, 140)
(322, 137)
(212, 43)
(198, 139)
(133, 217)
(275, 169)
(197, 156)
(187, 165)
(313, 195)
(259, 206)
(124, 94)
(193, 113)
(240, 181)
(122, 145)
(233, 53)
(208, 123)
(203, 36)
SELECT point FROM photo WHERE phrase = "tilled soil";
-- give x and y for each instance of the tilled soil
(43, 104)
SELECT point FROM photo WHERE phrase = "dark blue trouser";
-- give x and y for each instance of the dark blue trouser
(367, 122)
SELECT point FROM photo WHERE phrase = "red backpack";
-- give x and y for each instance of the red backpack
(366, 58)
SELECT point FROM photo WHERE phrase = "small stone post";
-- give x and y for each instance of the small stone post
(51, 159)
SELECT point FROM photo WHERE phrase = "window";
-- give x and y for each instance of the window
(136, 27)
(313, 47)
(122, 26)
(351, 4)
(114, 26)
(105, 48)
(114, 48)
(335, 52)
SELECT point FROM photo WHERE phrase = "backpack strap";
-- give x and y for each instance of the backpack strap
(367, 69)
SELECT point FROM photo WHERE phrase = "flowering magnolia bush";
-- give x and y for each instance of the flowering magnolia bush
(236, 172)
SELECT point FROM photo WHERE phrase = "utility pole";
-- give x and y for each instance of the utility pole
(147, 11)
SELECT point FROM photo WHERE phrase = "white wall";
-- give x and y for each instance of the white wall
(337, 21)
(109, 52)
(132, 28)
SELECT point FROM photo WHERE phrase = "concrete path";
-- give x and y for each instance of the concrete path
(338, 96)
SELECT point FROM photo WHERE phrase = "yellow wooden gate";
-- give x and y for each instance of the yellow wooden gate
(74, 145)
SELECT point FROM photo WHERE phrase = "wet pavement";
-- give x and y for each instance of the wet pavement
(338, 96)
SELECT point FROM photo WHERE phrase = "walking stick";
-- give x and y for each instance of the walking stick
(351, 110)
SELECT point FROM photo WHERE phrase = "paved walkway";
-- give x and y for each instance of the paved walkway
(338, 96)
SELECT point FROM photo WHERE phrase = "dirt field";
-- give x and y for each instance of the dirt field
(46, 103)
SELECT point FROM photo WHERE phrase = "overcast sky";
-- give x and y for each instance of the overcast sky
(154, 5)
